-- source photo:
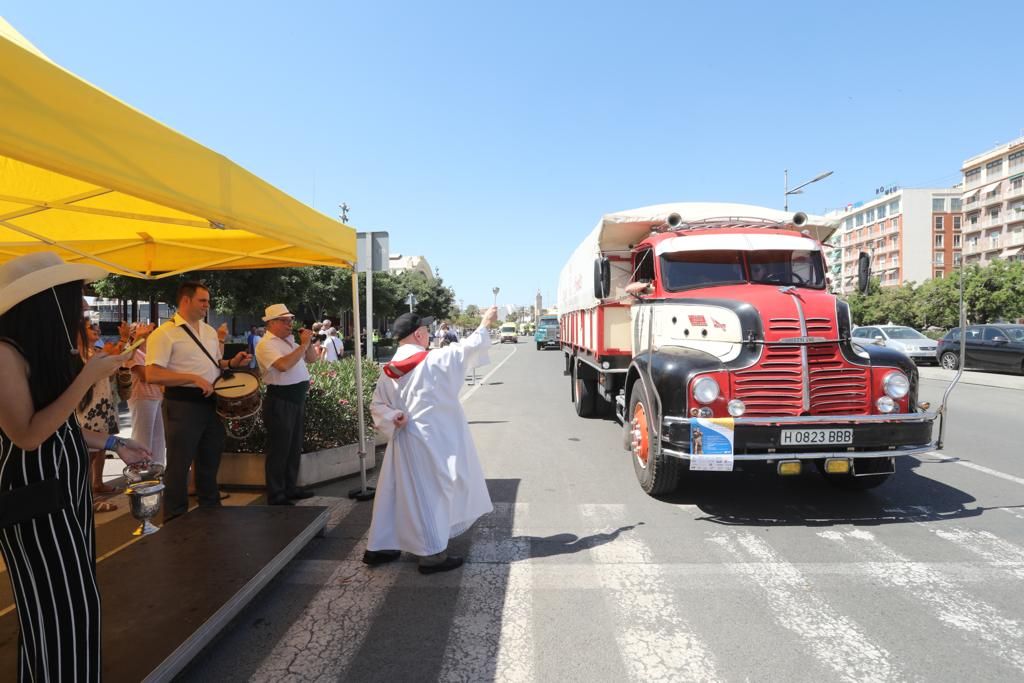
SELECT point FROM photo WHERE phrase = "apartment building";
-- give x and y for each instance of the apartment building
(911, 234)
(993, 203)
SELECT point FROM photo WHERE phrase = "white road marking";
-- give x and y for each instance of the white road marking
(491, 636)
(655, 642)
(977, 467)
(999, 552)
(836, 641)
(481, 382)
(951, 605)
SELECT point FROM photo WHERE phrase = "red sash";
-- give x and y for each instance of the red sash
(398, 368)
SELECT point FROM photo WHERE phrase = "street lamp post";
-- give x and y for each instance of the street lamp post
(799, 188)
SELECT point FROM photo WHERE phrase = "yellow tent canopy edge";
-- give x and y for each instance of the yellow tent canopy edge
(98, 181)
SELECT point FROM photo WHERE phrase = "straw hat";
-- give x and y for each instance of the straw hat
(30, 274)
(275, 311)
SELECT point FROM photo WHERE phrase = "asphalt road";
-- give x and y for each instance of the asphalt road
(578, 575)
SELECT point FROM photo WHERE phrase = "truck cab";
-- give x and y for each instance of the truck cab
(715, 340)
(546, 336)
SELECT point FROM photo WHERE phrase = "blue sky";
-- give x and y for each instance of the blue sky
(491, 137)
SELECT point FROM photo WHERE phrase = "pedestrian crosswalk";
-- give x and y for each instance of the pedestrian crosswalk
(843, 605)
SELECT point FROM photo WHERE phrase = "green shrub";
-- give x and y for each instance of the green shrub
(331, 413)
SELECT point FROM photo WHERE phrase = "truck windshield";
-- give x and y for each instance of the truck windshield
(687, 269)
(786, 267)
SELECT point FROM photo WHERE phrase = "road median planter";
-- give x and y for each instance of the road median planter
(330, 446)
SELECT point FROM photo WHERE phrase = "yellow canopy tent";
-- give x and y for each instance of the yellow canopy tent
(87, 176)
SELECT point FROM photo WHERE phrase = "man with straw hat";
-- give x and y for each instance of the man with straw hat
(46, 518)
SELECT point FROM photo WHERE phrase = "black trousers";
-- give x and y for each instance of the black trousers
(193, 432)
(285, 420)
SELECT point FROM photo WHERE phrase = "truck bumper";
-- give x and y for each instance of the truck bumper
(760, 438)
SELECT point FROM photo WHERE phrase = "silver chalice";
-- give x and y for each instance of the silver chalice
(145, 493)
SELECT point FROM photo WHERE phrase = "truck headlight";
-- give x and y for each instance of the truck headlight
(886, 405)
(737, 407)
(706, 389)
(896, 385)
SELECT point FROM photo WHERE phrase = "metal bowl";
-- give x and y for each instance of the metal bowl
(143, 471)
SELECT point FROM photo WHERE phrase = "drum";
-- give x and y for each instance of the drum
(238, 402)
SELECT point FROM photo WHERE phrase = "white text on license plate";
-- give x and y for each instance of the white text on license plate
(817, 437)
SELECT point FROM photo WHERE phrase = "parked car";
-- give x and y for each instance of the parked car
(907, 340)
(988, 347)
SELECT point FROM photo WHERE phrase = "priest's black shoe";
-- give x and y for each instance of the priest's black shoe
(300, 494)
(447, 565)
(375, 557)
(280, 501)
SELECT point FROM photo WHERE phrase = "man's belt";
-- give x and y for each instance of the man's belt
(189, 394)
(293, 393)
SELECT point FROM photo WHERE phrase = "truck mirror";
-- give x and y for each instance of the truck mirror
(602, 278)
(863, 272)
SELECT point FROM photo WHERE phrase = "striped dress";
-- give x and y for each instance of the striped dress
(51, 560)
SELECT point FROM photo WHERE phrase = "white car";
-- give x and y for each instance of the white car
(909, 341)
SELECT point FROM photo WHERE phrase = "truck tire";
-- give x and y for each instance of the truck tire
(657, 473)
(584, 393)
(538, 347)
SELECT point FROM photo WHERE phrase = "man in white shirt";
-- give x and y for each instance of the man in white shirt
(283, 364)
(332, 347)
(431, 487)
(184, 355)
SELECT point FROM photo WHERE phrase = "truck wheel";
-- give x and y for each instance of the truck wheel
(583, 395)
(656, 472)
(538, 347)
(949, 360)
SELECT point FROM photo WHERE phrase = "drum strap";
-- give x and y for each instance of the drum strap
(203, 348)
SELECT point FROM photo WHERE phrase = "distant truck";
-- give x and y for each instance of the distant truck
(547, 335)
(509, 332)
(709, 331)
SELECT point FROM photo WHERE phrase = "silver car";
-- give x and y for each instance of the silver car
(912, 343)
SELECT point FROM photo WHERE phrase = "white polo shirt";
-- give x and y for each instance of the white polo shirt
(272, 347)
(170, 347)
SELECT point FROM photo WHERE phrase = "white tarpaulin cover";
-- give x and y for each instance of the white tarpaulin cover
(617, 232)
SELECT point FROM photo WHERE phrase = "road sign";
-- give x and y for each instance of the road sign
(378, 248)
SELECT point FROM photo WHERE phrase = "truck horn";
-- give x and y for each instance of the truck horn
(799, 218)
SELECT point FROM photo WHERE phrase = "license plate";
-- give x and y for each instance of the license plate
(817, 437)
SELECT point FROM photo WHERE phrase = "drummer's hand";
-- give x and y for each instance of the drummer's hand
(400, 420)
(222, 332)
(305, 336)
(203, 384)
(241, 359)
(131, 452)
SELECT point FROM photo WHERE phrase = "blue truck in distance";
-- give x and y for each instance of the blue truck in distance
(546, 335)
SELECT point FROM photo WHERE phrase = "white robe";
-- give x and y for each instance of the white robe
(431, 487)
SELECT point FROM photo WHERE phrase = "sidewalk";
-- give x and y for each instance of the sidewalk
(985, 379)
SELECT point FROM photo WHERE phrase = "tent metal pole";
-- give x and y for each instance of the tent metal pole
(364, 492)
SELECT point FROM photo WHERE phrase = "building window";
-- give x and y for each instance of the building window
(894, 207)
(956, 241)
(973, 218)
(957, 257)
(881, 211)
(938, 274)
(993, 214)
(1016, 159)
(870, 218)
(939, 223)
(956, 204)
(956, 223)
(993, 169)
(1016, 183)
(938, 241)
(938, 204)
(972, 176)
(860, 219)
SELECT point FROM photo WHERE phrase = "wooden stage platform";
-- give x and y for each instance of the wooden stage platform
(167, 595)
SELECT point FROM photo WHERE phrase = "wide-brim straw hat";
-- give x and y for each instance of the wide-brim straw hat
(275, 311)
(30, 274)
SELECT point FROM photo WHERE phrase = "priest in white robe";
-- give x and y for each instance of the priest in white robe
(431, 487)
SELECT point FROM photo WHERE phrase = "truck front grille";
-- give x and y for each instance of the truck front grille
(775, 385)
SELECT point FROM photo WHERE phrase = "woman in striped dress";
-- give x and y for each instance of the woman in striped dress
(46, 525)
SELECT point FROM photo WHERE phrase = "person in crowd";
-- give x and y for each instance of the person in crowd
(439, 335)
(283, 364)
(431, 487)
(98, 412)
(251, 339)
(332, 349)
(47, 533)
(185, 356)
(144, 402)
(326, 326)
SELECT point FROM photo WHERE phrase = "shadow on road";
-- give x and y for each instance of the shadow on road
(761, 498)
(567, 544)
